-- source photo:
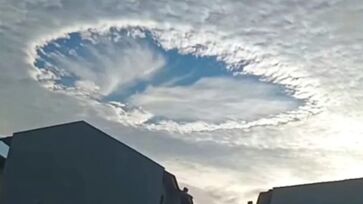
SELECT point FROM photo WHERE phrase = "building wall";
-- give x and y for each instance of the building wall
(170, 196)
(171, 191)
(349, 191)
(264, 197)
(3, 154)
(78, 164)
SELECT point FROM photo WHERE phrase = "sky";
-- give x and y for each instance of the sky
(233, 97)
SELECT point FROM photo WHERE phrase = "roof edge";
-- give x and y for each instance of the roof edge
(52, 126)
(93, 127)
(318, 183)
(173, 178)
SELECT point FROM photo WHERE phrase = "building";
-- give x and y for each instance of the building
(335, 192)
(4, 148)
(76, 163)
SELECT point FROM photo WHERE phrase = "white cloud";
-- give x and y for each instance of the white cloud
(215, 100)
(110, 66)
(200, 44)
(313, 47)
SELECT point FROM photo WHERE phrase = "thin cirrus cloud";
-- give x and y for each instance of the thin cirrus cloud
(101, 68)
(215, 100)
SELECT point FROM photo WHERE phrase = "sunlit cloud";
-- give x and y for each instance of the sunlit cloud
(104, 64)
(300, 123)
(215, 100)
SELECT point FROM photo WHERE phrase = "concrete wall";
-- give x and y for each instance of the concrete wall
(78, 164)
(343, 192)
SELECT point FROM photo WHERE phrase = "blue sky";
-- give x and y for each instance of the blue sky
(234, 97)
(158, 90)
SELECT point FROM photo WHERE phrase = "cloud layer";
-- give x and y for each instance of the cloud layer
(215, 100)
(312, 48)
(106, 61)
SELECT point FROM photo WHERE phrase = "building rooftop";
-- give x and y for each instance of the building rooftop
(75, 123)
(327, 192)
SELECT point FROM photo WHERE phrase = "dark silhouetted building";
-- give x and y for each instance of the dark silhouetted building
(76, 163)
(4, 148)
(335, 192)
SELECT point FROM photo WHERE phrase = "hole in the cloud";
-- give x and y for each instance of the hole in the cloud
(130, 66)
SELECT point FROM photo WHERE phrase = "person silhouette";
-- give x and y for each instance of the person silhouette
(185, 197)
